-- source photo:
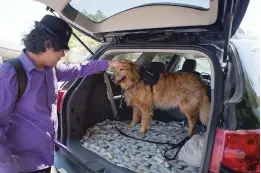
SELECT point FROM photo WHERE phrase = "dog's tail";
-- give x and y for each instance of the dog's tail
(204, 110)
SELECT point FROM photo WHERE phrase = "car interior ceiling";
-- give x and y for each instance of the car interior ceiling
(89, 105)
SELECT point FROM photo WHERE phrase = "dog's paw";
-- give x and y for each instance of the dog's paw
(141, 132)
(131, 125)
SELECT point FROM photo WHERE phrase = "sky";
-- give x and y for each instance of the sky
(18, 16)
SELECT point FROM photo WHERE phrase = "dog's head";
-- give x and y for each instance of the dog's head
(130, 72)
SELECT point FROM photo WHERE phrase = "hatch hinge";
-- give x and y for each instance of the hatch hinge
(228, 23)
(194, 38)
(116, 40)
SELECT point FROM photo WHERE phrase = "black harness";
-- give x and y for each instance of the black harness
(149, 76)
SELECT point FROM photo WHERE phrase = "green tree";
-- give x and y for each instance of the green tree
(97, 17)
(78, 52)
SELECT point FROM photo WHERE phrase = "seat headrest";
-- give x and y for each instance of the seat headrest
(189, 65)
(158, 66)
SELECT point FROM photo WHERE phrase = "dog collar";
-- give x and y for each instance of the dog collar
(132, 86)
(122, 79)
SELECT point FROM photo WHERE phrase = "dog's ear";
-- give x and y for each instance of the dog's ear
(135, 72)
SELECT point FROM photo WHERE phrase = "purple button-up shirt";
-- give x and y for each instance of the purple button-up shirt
(26, 125)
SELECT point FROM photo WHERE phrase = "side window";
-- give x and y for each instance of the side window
(203, 65)
(163, 57)
(78, 52)
(127, 56)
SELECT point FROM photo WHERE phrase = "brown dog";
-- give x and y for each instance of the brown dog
(185, 90)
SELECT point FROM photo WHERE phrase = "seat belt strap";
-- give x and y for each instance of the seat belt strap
(110, 95)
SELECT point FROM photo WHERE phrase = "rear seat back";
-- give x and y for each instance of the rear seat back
(157, 66)
(189, 66)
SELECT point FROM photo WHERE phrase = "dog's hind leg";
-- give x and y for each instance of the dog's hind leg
(150, 118)
(192, 125)
(190, 113)
(135, 117)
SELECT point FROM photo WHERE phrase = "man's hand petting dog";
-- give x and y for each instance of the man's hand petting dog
(117, 63)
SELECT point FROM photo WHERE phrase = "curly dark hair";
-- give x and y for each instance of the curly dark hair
(38, 40)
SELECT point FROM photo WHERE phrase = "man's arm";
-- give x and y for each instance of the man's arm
(71, 71)
(8, 94)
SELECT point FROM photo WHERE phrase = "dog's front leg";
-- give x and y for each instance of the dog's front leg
(135, 117)
(146, 115)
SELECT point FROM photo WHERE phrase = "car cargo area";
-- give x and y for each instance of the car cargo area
(138, 155)
(93, 114)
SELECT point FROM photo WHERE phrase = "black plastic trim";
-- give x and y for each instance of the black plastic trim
(74, 159)
(63, 122)
(217, 101)
(224, 169)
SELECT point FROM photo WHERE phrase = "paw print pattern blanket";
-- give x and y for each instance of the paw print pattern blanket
(136, 155)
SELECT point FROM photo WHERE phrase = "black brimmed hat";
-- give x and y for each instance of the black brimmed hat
(57, 27)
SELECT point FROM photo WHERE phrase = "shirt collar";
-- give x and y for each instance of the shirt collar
(26, 61)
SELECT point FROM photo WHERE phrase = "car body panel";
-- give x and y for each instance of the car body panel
(248, 109)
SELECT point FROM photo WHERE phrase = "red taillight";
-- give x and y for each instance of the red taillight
(59, 99)
(237, 150)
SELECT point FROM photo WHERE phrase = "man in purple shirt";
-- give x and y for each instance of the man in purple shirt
(29, 126)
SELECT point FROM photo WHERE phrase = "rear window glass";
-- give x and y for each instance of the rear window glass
(99, 10)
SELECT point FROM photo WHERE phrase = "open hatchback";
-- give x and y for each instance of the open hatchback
(204, 19)
(170, 36)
